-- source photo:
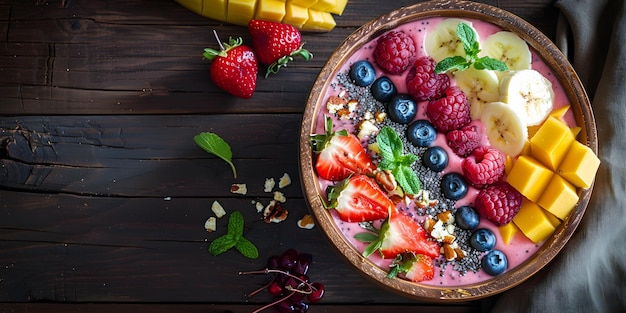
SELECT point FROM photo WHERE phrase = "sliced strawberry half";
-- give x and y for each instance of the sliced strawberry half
(359, 199)
(415, 267)
(399, 234)
(340, 154)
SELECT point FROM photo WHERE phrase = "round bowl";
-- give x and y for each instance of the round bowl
(551, 56)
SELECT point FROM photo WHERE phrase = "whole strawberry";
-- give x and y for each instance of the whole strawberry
(276, 44)
(234, 67)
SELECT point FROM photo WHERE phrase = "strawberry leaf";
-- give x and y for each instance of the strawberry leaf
(214, 144)
(366, 237)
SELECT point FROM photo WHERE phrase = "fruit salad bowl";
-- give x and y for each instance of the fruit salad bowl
(397, 180)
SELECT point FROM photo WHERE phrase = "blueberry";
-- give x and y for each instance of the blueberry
(383, 89)
(483, 239)
(453, 186)
(402, 108)
(435, 158)
(466, 217)
(362, 73)
(494, 263)
(421, 133)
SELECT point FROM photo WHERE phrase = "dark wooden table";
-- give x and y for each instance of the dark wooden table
(103, 192)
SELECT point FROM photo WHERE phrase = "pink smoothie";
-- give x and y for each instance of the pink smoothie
(520, 248)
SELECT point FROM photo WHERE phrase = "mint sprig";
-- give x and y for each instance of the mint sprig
(469, 39)
(214, 144)
(394, 160)
(234, 238)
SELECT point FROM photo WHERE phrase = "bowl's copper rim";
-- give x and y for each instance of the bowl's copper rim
(551, 55)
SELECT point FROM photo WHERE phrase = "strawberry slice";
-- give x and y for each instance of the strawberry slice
(340, 154)
(399, 234)
(359, 199)
(414, 267)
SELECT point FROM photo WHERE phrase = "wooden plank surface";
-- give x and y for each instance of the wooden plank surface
(103, 193)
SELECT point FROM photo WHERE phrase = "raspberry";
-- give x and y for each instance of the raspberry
(463, 141)
(450, 112)
(485, 166)
(498, 203)
(394, 52)
(422, 82)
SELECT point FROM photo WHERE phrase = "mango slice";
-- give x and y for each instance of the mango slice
(533, 221)
(580, 165)
(529, 177)
(272, 10)
(551, 142)
(507, 232)
(559, 197)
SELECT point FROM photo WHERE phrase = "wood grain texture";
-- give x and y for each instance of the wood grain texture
(103, 193)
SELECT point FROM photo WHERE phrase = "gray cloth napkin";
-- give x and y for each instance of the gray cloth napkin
(589, 275)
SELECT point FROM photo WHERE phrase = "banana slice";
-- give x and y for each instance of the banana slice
(505, 129)
(529, 93)
(443, 42)
(509, 48)
(480, 87)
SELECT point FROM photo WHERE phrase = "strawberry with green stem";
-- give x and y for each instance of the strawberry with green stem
(359, 199)
(276, 44)
(414, 267)
(234, 67)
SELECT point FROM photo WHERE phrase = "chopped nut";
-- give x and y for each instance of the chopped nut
(269, 184)
(274, 212)
(284, 181)
(352, 104)
(448, 239)
(449, 252)
(306, 222)
(366, 129)
(241, 189)
(429, 224)
(335, 103)
(280, 197)
(459, 253)
(380, 117)
(217, 209)
(259, 206)
(385, 178)
(445, 216)
(211, 224)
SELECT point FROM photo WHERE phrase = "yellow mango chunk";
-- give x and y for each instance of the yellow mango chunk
(576, 130)
(560, 112)
(215, 9)
(240, 11)
(551, 142)
(529, 177)
(559, 197)
(533, 221)
(303, 3)
(340, 6)
(507, 232)
(555, 221)
(319, 21)
(295, 15)
(580, 165)
(323, 5)
(270, 10)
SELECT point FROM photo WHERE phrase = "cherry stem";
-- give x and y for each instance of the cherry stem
(218, 40)
(268, 271)
(274, 303)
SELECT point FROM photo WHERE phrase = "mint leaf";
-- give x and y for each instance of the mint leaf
(452, 63)
(214, 144)
(394, 160)
(221, 245)
(247, 248)
(468, 38)
(234, 238)
(487, 63)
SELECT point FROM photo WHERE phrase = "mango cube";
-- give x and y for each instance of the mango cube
(580, 165)
(319, 20)
(560, 112)
(550, 143)
(507, 232)
(533, 221)
(295, 15)
(529, 177)
(240, 11)
(303, 3)
(559, 197)
(270, 10)
(323, 5)
(555, 221)
(340, 5)
(215, 9)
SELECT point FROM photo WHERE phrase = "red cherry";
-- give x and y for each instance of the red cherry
(317, 294)
(275, 288)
